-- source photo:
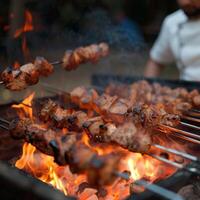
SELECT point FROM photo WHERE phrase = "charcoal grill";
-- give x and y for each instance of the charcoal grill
(29, 187)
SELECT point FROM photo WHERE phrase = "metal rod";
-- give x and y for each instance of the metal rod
(176, 152)
(191, 119)
(190, 125)
(151, 187)
(180, 136)
(193, 114)
(4, 127)
(195, 110)
(174, 164)
(122, 175)
(167, 194)
(186, 133)
(56, 62)
(4, 121)
(186, 138)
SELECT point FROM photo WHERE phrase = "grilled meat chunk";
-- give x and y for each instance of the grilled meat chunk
(81, 55)
(83, 97)
(43, 67)
(151, 116)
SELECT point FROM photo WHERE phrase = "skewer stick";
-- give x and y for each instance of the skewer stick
(191, 119)
(186, 133)
(190, 125)
(4, 127)
(180, 136)
(193, 114)
(152, 187)
(4, 121)
(56, 62)
(176, 152)
(174, 164)
(195, 110)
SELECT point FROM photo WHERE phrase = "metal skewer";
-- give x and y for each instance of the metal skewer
(191, 119)
(4, 127)
(174, 164)
(186, 133)
(179, 153)
(193, 114)
(190, 125)
(152, 187)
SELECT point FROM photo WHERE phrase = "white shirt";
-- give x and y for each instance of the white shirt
(179, 41)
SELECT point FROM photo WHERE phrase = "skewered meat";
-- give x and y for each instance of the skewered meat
(25, 76)
(112, 108)
(43, 67)
(62, 118)
(150, 116)
(16, 79)
(83, 97)
(29, 74)
(66, 149)
(18, 127)
(81, 55)
(176, 101)
(128, 136)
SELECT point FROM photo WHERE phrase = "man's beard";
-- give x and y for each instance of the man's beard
(192, 12)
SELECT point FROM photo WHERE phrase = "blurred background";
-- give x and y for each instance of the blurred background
(30, 28)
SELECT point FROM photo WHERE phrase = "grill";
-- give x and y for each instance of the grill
(28, 186)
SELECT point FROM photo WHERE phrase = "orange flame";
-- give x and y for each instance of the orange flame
(16, 65)
(28, 25)
(25, 108)
(41, 166)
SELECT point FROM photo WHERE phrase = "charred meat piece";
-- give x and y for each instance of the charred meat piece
(84, 97)
(81, 55)
(152, 115)
(112, 108)
(21, 78)
(43, 67)
(62, 118)
(128, 136)
(32, 75)
(18, 127)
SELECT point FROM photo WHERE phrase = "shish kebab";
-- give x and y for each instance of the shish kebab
(118, 110)
(67, 149)
(28, 74)
(131, 135)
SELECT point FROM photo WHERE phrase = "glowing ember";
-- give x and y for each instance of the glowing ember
(25, 108)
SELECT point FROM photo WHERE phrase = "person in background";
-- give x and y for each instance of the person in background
(178, 42)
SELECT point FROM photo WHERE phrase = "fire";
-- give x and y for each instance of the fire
(142, 166)
(25, 108)
(45, 169)
(16, 65)
(41, 166)
(28, 25)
